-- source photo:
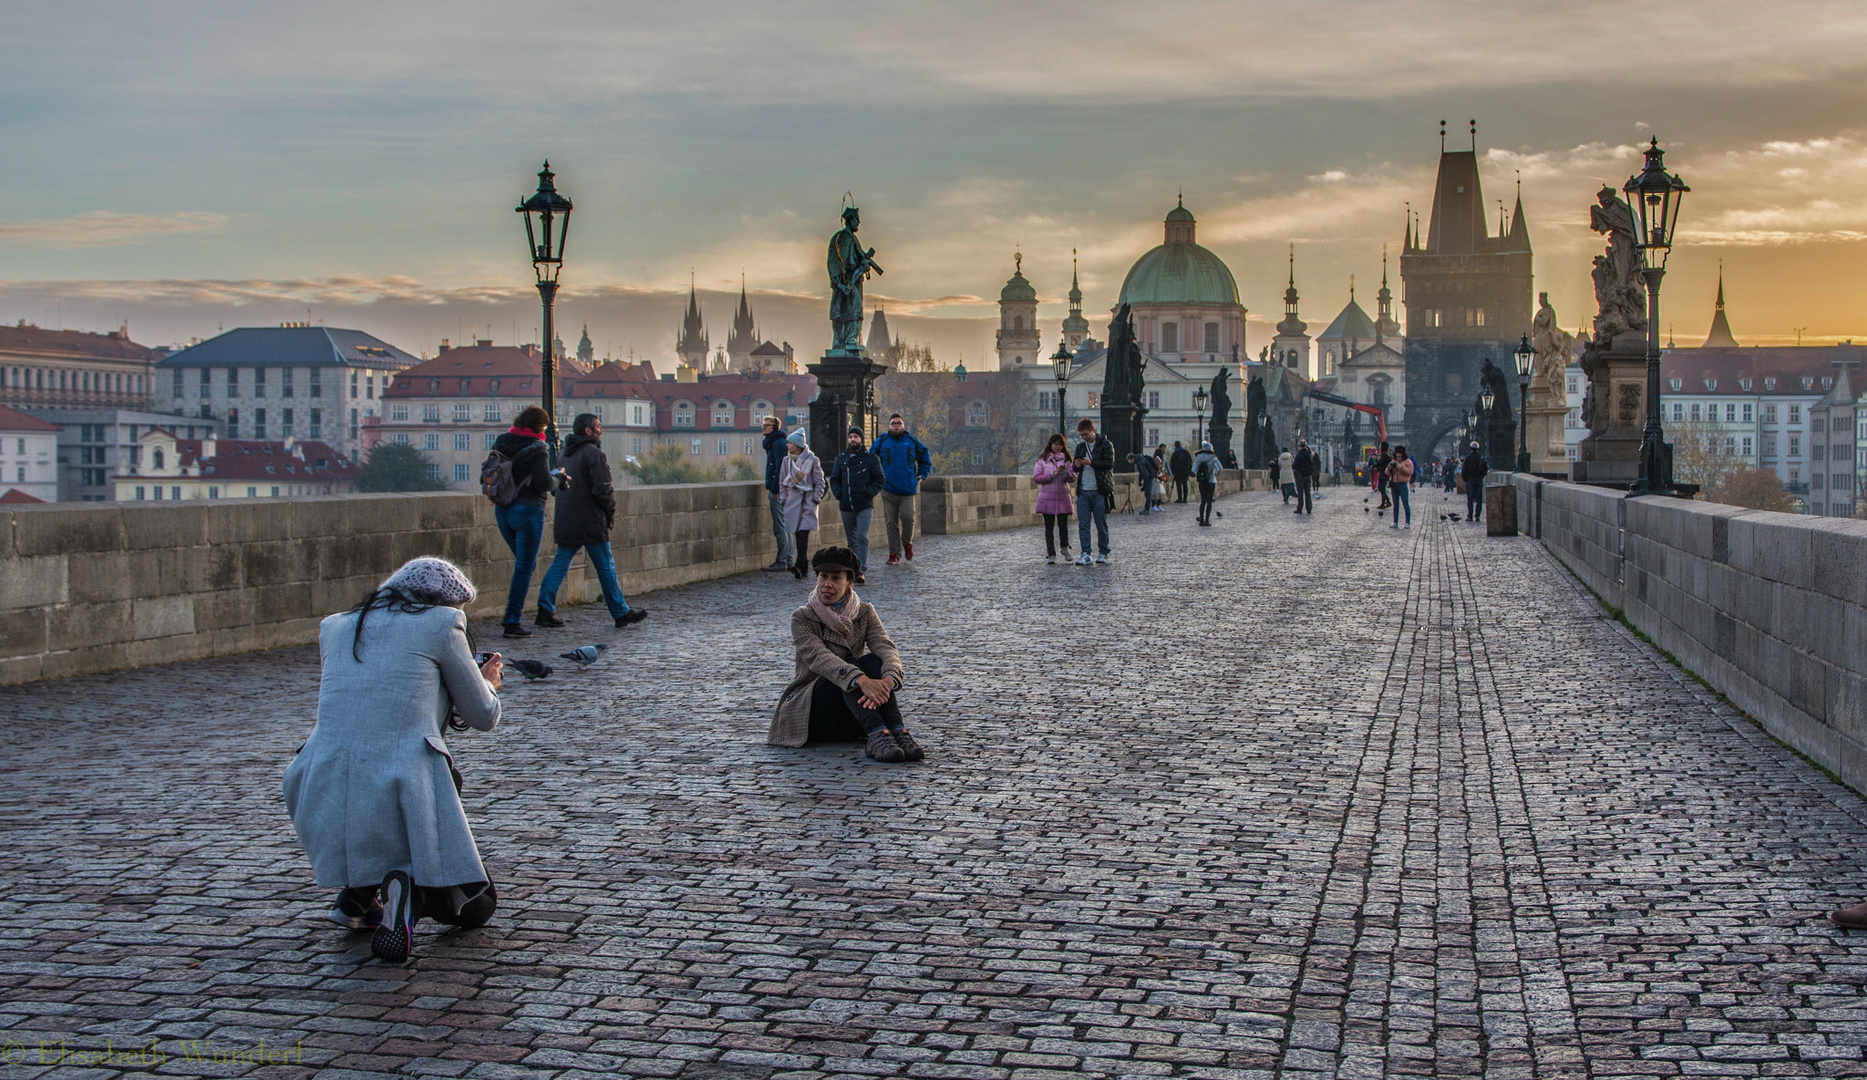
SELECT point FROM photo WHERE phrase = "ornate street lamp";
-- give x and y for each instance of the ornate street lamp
(547, 225)
(1655, 196)
(1525, 356)
(1486, 399)
(1061, 365)
(1200, 398)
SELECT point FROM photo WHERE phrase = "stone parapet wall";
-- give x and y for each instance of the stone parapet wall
(1770, 609)
(90, 587)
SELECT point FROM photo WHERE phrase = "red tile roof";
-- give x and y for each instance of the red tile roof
(114, 345)
(743, 391)
(15, 495)
(254, 459)
(12, 419)
(471, 372)
(1789, 365)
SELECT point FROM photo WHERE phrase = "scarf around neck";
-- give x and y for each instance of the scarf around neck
(837, 621)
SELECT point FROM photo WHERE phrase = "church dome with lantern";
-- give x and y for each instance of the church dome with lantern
(1184, 298)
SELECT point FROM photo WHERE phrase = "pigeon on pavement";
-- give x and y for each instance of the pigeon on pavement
(531, 669)
(587, 655)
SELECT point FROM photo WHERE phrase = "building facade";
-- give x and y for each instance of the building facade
(73, 369)
(1836, 453)
(1754, 407)
(175, 469)
(718, 418)
(1017, 340)
(28, 457)
(293, 381)
(1184, 299)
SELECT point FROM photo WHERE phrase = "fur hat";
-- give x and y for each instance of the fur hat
(429, 576)
(835, 558)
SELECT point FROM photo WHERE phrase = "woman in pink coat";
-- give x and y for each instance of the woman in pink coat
(1054, 475)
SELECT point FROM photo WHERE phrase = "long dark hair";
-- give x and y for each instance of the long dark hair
(405, 601)
(1057, 440)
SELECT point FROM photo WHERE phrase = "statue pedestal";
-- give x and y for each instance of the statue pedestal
(1548, 419)
(845, 397)
(1122, 424)
(1618, 376)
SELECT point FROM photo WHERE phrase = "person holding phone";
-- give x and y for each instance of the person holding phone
(373, 794)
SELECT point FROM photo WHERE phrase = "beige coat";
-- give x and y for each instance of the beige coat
(821, 653)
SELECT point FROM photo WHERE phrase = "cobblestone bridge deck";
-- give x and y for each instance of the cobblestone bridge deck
(1281, 797)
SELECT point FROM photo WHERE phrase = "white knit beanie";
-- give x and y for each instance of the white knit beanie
(433, 577)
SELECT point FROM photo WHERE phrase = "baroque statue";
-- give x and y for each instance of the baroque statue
(1620, 294)
(849, 267)
(1219, 431)
(1256, 404)
(1554, 348)
(1123, 379)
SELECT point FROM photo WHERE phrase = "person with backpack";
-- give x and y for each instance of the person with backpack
(905, 463)
(1181, 464)
(1147, 472)
(517, 478)
(1308, 469)
(586, 512)
(1206, 468)
(855, 480)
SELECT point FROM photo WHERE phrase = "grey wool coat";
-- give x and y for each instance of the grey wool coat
(372, 790)
(822, 653)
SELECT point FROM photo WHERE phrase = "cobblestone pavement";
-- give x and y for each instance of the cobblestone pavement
(1299, 797)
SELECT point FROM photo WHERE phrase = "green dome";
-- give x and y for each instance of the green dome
(1179, 273)
(1180, 213)
(1017, 289)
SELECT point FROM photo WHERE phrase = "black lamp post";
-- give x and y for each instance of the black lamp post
(1061, 364)
(1200, 397)
(1486, 399)
(547, 225)
(1655, 196)
(1525, 356)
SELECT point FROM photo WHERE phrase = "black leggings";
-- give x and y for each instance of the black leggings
(1061, 537)
(1206, 491)
(802, 539)
(838, 715)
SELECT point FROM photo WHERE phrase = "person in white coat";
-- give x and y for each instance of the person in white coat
(1286, 474)
(373, 793)
(801, 486)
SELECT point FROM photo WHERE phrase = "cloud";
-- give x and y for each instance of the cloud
(96, 228)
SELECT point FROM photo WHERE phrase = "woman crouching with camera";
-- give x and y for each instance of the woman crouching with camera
(847, 670)
(373, 793)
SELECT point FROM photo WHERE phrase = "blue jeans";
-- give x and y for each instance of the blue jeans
(777, 527)
(1092, 504)
(601, 560)
(856, 533)
(522, 525)
(1403, 496)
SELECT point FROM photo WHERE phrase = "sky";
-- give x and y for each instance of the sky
(186, 167)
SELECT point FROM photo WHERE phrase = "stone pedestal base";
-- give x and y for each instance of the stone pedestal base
(845, 397)
(1618, 379)
(1549, 450)
(1122, 424)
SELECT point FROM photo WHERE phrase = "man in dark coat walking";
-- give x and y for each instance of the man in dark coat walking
(855, 480)
(1472, 470)
(1181, 465)
(586, 512)
(775, 450)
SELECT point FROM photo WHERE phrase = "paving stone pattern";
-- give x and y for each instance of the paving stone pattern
(1299, 797)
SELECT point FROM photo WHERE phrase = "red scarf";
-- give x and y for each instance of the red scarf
(516, 430)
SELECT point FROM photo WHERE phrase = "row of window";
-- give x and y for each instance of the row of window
(361, 384)
(1744, 383)
(1170, 337)
(1732, 411)
(82, 382)
(213, 492)
(1473, 316)
(489, 413)
(260, 430)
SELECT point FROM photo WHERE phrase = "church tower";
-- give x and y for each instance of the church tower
(1075, 327)
(1720, 336)
(880, 345)
(1290, 348)
(691, 345)
(586, 352)
(1385, 328)
(743, 337)
(1017, 321)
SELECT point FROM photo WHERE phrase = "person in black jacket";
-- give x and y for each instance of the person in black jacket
(775, 450)
(522, 524)
(1181, 465)
(855, 480)
(1473, 470)
(1095, 484)
(586, 513)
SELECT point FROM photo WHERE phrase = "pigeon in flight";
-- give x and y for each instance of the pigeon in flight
(587, 655)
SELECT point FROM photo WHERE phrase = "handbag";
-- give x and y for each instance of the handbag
(1460, 484)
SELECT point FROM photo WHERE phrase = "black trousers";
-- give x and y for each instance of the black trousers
(802, 542)
(1179, 482)
(465, 906)
(1205, 500)
(838, 715)
(1304, 504)
(1056, 533)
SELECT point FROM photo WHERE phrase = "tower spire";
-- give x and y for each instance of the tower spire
(1720, 336)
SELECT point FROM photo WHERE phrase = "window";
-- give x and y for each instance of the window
(139, 493)
(463, 441)
(1730, 444)
(598, 411)
(1695, 411)
(1769, 414)
(400, 438)
(213, 491)
(259, 382)
(1153, 437)
(978, 457)
(1746, 446)
(206, 389)
(487, 439)
(259, 423)
(233, 423)
(285, 382)
(353, 386)
(722, 414)
(976, 413)
(430, 414)
(430, 440)
(1795, 414)
(1572, 384)
(1212, 337)
(317, 383)
(288, 421)
(720, 446)
(638, 444)
(460, 474)
(638, 414)
(1095, 399)
(434, 472)
(1730, 412)
(1153, 399)
(233, 382)
(175, 492)
(463, 412)
(1795, 445)
(1747, 411)
(747, 447)
(695, 448)
(178, 382)
(1769, 444)
(684, 414)
(1170, 337)
(158, 457)
(317, 421)
(1678, 411)
(490, 414)
(396, 412)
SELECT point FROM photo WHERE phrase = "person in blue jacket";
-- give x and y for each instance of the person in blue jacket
(905, 463)
(775, 450)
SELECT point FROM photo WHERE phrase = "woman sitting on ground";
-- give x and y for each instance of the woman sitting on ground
(373, 794)
(847, 670)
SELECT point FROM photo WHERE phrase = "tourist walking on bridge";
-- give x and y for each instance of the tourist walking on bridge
(1182, 465)
(1283, 474)
(517, 478)
(1053, 475)
(1206, 469)
(905, 463)
(586, 513)
(1148, 477)
(373, 794)
(848, 671)
(1307, 468)
(1400, 485)
(1473, 473)
(801, 487)
(855, 480)
(775, 448)
(1095, 485)
(1381, 464)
